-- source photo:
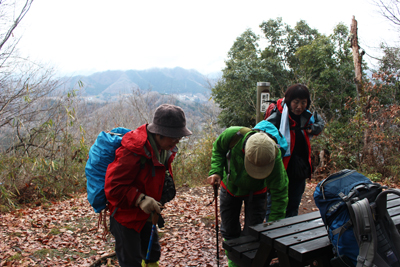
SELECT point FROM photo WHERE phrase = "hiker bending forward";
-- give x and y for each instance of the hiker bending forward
(255, 165)
(134, 183)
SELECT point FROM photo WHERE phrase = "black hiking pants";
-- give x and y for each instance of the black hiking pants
(131, 246)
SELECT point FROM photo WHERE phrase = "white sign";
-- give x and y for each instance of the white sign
(264, 102)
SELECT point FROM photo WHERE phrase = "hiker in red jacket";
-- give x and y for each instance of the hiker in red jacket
(298, 125)
(134, 183)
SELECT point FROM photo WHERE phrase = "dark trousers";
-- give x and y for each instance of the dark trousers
(131, 246)
(269, 205)
(295, 193)
(230, 208)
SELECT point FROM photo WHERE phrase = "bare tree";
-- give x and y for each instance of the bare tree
(35, 121)
(10, 19)
(390, 10)
(24, 85)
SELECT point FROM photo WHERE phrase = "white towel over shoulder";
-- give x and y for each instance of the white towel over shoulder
(284, 127)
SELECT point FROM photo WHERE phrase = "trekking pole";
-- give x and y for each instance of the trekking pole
(153, 232)
(216, 219)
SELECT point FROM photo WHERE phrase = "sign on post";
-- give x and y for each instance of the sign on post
(264, 102)
(263, 95)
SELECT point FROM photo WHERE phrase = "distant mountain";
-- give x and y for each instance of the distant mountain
(167, 81)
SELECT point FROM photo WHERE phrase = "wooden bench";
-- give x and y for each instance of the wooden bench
(296, 241)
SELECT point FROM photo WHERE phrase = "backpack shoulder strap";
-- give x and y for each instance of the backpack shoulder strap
(271, 108)
(235, 139)
(389, 246)
(239, 135)
(364, 232)
(143, 161)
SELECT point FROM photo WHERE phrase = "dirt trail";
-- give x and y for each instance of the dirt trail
(63, 233)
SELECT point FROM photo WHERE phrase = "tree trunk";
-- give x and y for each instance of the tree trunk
(356, 57)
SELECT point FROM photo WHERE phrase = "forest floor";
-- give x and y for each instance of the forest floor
(65, 233)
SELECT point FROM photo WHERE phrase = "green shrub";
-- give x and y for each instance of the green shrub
(26, 180)
(375, 177)
(193, 161)
(46, 161)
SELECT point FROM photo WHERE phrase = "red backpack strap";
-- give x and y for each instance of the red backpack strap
(269, 110)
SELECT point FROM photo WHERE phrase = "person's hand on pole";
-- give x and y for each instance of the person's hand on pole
(148, 204)
(214, 179)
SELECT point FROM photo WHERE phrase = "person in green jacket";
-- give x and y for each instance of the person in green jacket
(255, 166)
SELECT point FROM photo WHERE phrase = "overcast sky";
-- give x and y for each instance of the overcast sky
(98, 35)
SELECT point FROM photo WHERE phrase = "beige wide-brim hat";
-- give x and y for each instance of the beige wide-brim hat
(260, 153)
(170, 121)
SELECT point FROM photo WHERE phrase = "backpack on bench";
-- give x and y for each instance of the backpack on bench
(359, 227)
(376, 234)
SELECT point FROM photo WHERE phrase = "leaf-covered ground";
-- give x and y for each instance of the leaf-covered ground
(64, 233)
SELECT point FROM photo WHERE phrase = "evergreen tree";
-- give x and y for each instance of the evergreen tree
(236, 91)
(292, 55)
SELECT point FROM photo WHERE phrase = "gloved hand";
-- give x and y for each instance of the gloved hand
(148, 204)
(214, 179)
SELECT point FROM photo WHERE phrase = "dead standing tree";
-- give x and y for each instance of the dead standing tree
(363, 100)
(357, 58)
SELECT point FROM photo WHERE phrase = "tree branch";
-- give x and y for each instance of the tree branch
(24, 10)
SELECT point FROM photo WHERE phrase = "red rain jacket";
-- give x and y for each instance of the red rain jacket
(125, 178)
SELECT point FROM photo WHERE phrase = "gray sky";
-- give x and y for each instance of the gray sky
(98, 35)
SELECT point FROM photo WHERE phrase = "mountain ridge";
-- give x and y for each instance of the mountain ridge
(163, 80)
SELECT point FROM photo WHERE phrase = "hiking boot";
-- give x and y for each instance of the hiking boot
(150, 264)
(232, 264)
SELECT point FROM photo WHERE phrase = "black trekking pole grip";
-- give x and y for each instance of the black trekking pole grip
(216, 220)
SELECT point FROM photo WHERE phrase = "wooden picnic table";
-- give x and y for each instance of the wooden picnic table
(296, 241)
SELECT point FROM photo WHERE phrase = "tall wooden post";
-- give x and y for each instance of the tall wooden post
(263, 96)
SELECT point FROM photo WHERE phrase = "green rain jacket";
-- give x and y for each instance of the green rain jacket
(240, 183)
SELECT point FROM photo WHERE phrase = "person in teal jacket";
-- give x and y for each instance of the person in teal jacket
(255, 166)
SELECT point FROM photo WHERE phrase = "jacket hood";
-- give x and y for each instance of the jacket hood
(135, 140)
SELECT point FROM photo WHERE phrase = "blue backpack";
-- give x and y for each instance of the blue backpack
(347, 201)
(101, 154)
(274, 133)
